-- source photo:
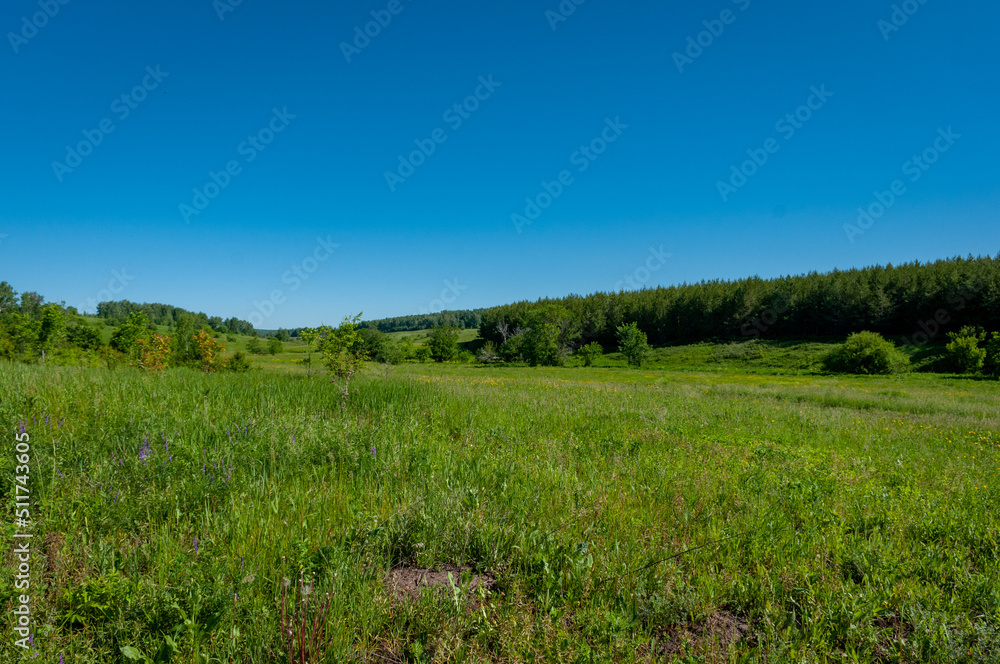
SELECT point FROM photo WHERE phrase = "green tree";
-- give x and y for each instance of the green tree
(963, 352)
(8, 299)
(590, 352)
(182, 343)
(126, 336)
(83, 336)
(443, 343)
(283, 335)
(633, 344)
(991, 364)
(541, 345)
(52, 328)
(274, 346)
(341, 347)
(422, 353)
(866, 353)
(255, 346)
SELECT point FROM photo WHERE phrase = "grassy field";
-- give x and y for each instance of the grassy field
(698, 510)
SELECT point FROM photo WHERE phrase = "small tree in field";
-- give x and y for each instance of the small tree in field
(341, 348)
(443, 343)
(590, 352)
(633, 344)
(125, 338)
(207, 350)
(963, 351)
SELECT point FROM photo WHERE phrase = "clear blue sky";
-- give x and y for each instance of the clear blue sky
(324, 174)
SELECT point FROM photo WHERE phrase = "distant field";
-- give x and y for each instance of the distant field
(697, 509)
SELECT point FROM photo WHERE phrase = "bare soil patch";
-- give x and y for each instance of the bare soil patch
(407, 583)
(710, 637)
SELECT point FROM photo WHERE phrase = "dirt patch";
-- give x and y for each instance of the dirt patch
(710, 637)
(408, 582)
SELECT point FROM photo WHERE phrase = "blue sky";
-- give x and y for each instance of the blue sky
(226, 77)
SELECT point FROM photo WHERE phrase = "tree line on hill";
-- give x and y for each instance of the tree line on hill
(165, 314)
(461, 319)
(914, 303)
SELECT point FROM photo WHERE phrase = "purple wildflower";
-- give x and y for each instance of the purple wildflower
(22, 426)
(196, 545)
(373, 450)
(230, 436)
(116, 496)
(145, 451)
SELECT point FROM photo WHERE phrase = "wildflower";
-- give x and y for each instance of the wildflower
(145, 451)
(196, 545)
(373, 450)
(285, 581)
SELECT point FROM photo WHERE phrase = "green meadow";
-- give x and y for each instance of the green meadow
(699, 509)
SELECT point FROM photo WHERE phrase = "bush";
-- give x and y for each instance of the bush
(423, 353)
(866, 353)
(510, 350)
(238, 363)
(633, 344)
(255, 346)
(590, 352)
(963, 353)
(488, 353)
(991, 363)
(274, 346)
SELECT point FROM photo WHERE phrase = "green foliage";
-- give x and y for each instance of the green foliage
(84, 336)
(866, 353)
(95, 601)
(342, 348)
(991, 363)
(745, 351)
(590, 352)
(541, 345)
(274, 346)
(126, 336)
(283, 335)
(964, 352)
(488, 353)
(256, 346)
(52, 328)
(443, 343)
(238, 363)
(512, 349)
(632, 344)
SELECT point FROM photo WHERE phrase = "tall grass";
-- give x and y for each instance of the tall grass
(841, 519)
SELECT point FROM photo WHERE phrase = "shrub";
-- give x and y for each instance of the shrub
(488, 353)
(510, 350)
(991, 363)
(866, 353)
(423, 353)
(633, 344)
(238, 363)
(590, 352)
(963, 353)
(274, 346)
